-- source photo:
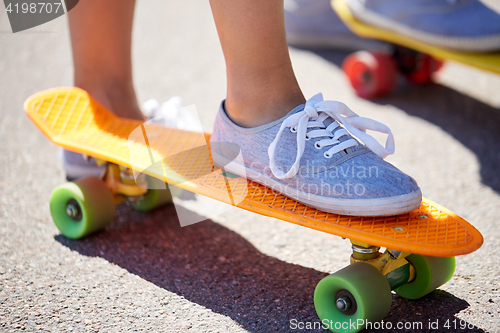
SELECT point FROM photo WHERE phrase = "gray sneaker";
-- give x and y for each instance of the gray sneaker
(77, 166)
(464, 25)
(311, 155)
(314, 24)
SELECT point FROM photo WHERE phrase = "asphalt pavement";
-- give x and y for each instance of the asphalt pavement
(238, 272)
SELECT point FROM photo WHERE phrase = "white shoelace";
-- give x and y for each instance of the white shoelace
(315, 112)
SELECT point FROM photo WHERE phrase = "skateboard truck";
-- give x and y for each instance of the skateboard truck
(122, 183)
(392, 264)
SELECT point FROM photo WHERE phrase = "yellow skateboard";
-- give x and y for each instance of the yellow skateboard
(420, 244)
(374, 74)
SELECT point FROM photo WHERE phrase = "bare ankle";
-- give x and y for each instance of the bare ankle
(261, 110)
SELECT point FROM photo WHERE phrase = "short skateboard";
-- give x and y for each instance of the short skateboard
(420, 245)
(374, 74)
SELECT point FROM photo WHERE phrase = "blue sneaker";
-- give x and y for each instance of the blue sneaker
(314, 24)
(312, 156)
(463, 25)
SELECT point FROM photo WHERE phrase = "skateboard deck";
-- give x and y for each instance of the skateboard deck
(70, 118)
(486, 61)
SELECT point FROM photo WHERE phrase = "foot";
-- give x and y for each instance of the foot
(122, 102)
(77, 165)
(313, 23)
(172, 114)
(311, 155)
(463, 25)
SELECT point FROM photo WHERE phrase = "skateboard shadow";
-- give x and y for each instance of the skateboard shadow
(473, 123)
(213, 266)
(435, 312)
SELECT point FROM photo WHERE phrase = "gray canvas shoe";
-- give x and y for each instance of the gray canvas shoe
(77, 166)
(311, 155)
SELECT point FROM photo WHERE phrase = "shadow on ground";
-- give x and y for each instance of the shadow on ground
(471, 122)
(212, 266)
(474, 124)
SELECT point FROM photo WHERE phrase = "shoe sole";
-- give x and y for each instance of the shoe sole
(356, 207)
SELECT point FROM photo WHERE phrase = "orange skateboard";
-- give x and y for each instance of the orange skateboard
(420, 244)
(374, 74)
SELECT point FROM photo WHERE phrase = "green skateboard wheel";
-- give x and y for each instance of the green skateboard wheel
(349, 298)
(156, 196)
(431, 272)
(81, 207)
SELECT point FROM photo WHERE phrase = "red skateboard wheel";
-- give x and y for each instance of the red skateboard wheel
(426, 66)
(371, 74)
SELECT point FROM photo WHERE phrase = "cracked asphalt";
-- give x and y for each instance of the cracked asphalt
(237, 272)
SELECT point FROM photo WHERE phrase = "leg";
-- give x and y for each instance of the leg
(261, 84)
(290, 156)
(101, 35)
